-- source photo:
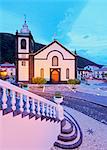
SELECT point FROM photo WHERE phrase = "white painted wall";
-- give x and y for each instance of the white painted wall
(92, 68)
(18, 133)
(47, 64)
(54, 46)
(23, 71)
(100, 74)
(11, 70)
(23, 56)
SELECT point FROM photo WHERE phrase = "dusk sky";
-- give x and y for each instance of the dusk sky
(77, 24)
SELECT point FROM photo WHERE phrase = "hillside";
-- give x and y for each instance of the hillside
(7, 51)
(7, 47)
(82, 62)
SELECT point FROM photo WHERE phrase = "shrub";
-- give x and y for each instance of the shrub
(58, 94)
(39, 80)
(33, 80)
(105, 74)
(25, 85)
(73, 81)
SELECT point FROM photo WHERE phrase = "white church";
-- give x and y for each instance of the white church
(53, 62)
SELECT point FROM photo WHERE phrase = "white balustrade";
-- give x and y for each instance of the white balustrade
(13, 100)
(33, 106)
(54, 112)
(51, 111)
(43, 109)
(27, 105)
(38, 107)
(21, 102)
(4, 98)
(60, 112)
(49, 108)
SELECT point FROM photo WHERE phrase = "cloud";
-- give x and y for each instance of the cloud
(87, 31)
(70, 17)
(86, 36)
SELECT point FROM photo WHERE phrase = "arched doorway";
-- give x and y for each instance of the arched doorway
(55, 75)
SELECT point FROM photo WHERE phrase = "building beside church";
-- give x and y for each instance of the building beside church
(8, 70)
(53, 62)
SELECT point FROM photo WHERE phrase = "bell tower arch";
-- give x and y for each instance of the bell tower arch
(24, 60)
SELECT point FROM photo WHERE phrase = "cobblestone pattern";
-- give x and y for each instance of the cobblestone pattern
(93, 110)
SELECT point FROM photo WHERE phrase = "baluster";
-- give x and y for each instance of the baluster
(33, 106)
(13, 100)
(21, 102)
(51, 111)
(43, 109)
(4, 99)
(54, 112)
(27, 105)
(1, 97)
(38, 108)
(48, 111)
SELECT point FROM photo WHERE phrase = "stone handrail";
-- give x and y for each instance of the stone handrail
(44, 107)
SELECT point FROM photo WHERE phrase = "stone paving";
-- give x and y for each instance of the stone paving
(91, 117)
(81, 92)
(94, 132)
(73, 100)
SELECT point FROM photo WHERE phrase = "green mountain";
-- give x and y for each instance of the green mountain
(7, 48)
(82, 62)
(7, 51)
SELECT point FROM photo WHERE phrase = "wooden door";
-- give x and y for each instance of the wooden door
(55, 76)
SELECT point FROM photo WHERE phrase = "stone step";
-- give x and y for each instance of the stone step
(70, 144)
(31, 115)
(24, 114)
(57, 148)
(16, 113)
(72, 140)
(7, 111)
(68, 137)
(67, 125)
(68, 128)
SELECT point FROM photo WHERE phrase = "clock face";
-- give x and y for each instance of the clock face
(23, 44)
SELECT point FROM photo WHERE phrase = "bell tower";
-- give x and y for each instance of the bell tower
(24, 42)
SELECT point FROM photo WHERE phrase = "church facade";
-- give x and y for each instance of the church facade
(53, 62)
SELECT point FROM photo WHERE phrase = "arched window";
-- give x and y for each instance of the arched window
(42, 73)
(23, 44)
(67, 73)
(54, 61)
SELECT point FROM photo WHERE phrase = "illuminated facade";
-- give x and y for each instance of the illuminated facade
(53, 62)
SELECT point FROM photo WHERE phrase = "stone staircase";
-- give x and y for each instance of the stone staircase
(71, 135)
(16, 101)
